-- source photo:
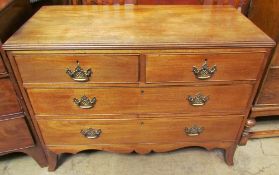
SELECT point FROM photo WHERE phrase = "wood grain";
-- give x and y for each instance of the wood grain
(8, 101)
(14, 134)
(16, 129)
(130, 27)
(235, 3)
(270, 92)
(2, 67)
(109, 101)
(162, 68)
(275, 59)
(4, 4)
(265, 15)
(141, 149)
(3, 71)
(102, 2)
(174, 99)
(264, 134)
(169, 2)
(51, 68)
(264, 111)
(164, 130)
(13, 13)
(141, 100)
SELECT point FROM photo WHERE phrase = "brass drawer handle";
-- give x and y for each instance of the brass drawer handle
(85, 102)
(198, 99)
(194, 131)
(91, 133)
(79, 74)
(204, 72)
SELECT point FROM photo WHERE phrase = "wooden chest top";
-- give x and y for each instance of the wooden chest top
(139, 27)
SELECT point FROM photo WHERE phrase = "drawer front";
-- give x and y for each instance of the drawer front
(2, 67)
(179, 68)
(8, 101)
(213, 99)
(61, 101)
(221, 99)
(14, 134)
(50, 68)
(125, 131)
(270, 91)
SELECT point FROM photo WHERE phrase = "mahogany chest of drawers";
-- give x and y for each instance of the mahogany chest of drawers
(17, 133)
(11, 116)
(16, 130)
(138, 78)
(266, 104)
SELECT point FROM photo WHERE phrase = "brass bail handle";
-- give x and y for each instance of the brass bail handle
(198, 99)
(85, 103)
(91, 133)
(205, 72)
(79, 74)
(194, 131)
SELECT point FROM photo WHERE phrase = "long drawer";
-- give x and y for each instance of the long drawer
(212, 99)
(52, 68)
(210, 67)
(8, 99)
(14, 134)
(167, 129)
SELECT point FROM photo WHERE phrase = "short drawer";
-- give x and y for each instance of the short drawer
(52, 68)
(269, 94)
(8, 101)
(227, 99)
(209, 67)
(203, 100)
(165, 129)
(14, 134)
(61, 101)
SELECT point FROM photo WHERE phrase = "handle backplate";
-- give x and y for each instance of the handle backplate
(85, 103)
(194, 131)
(79, 74)
(198, 99)
(91, 133)
(204, 72)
